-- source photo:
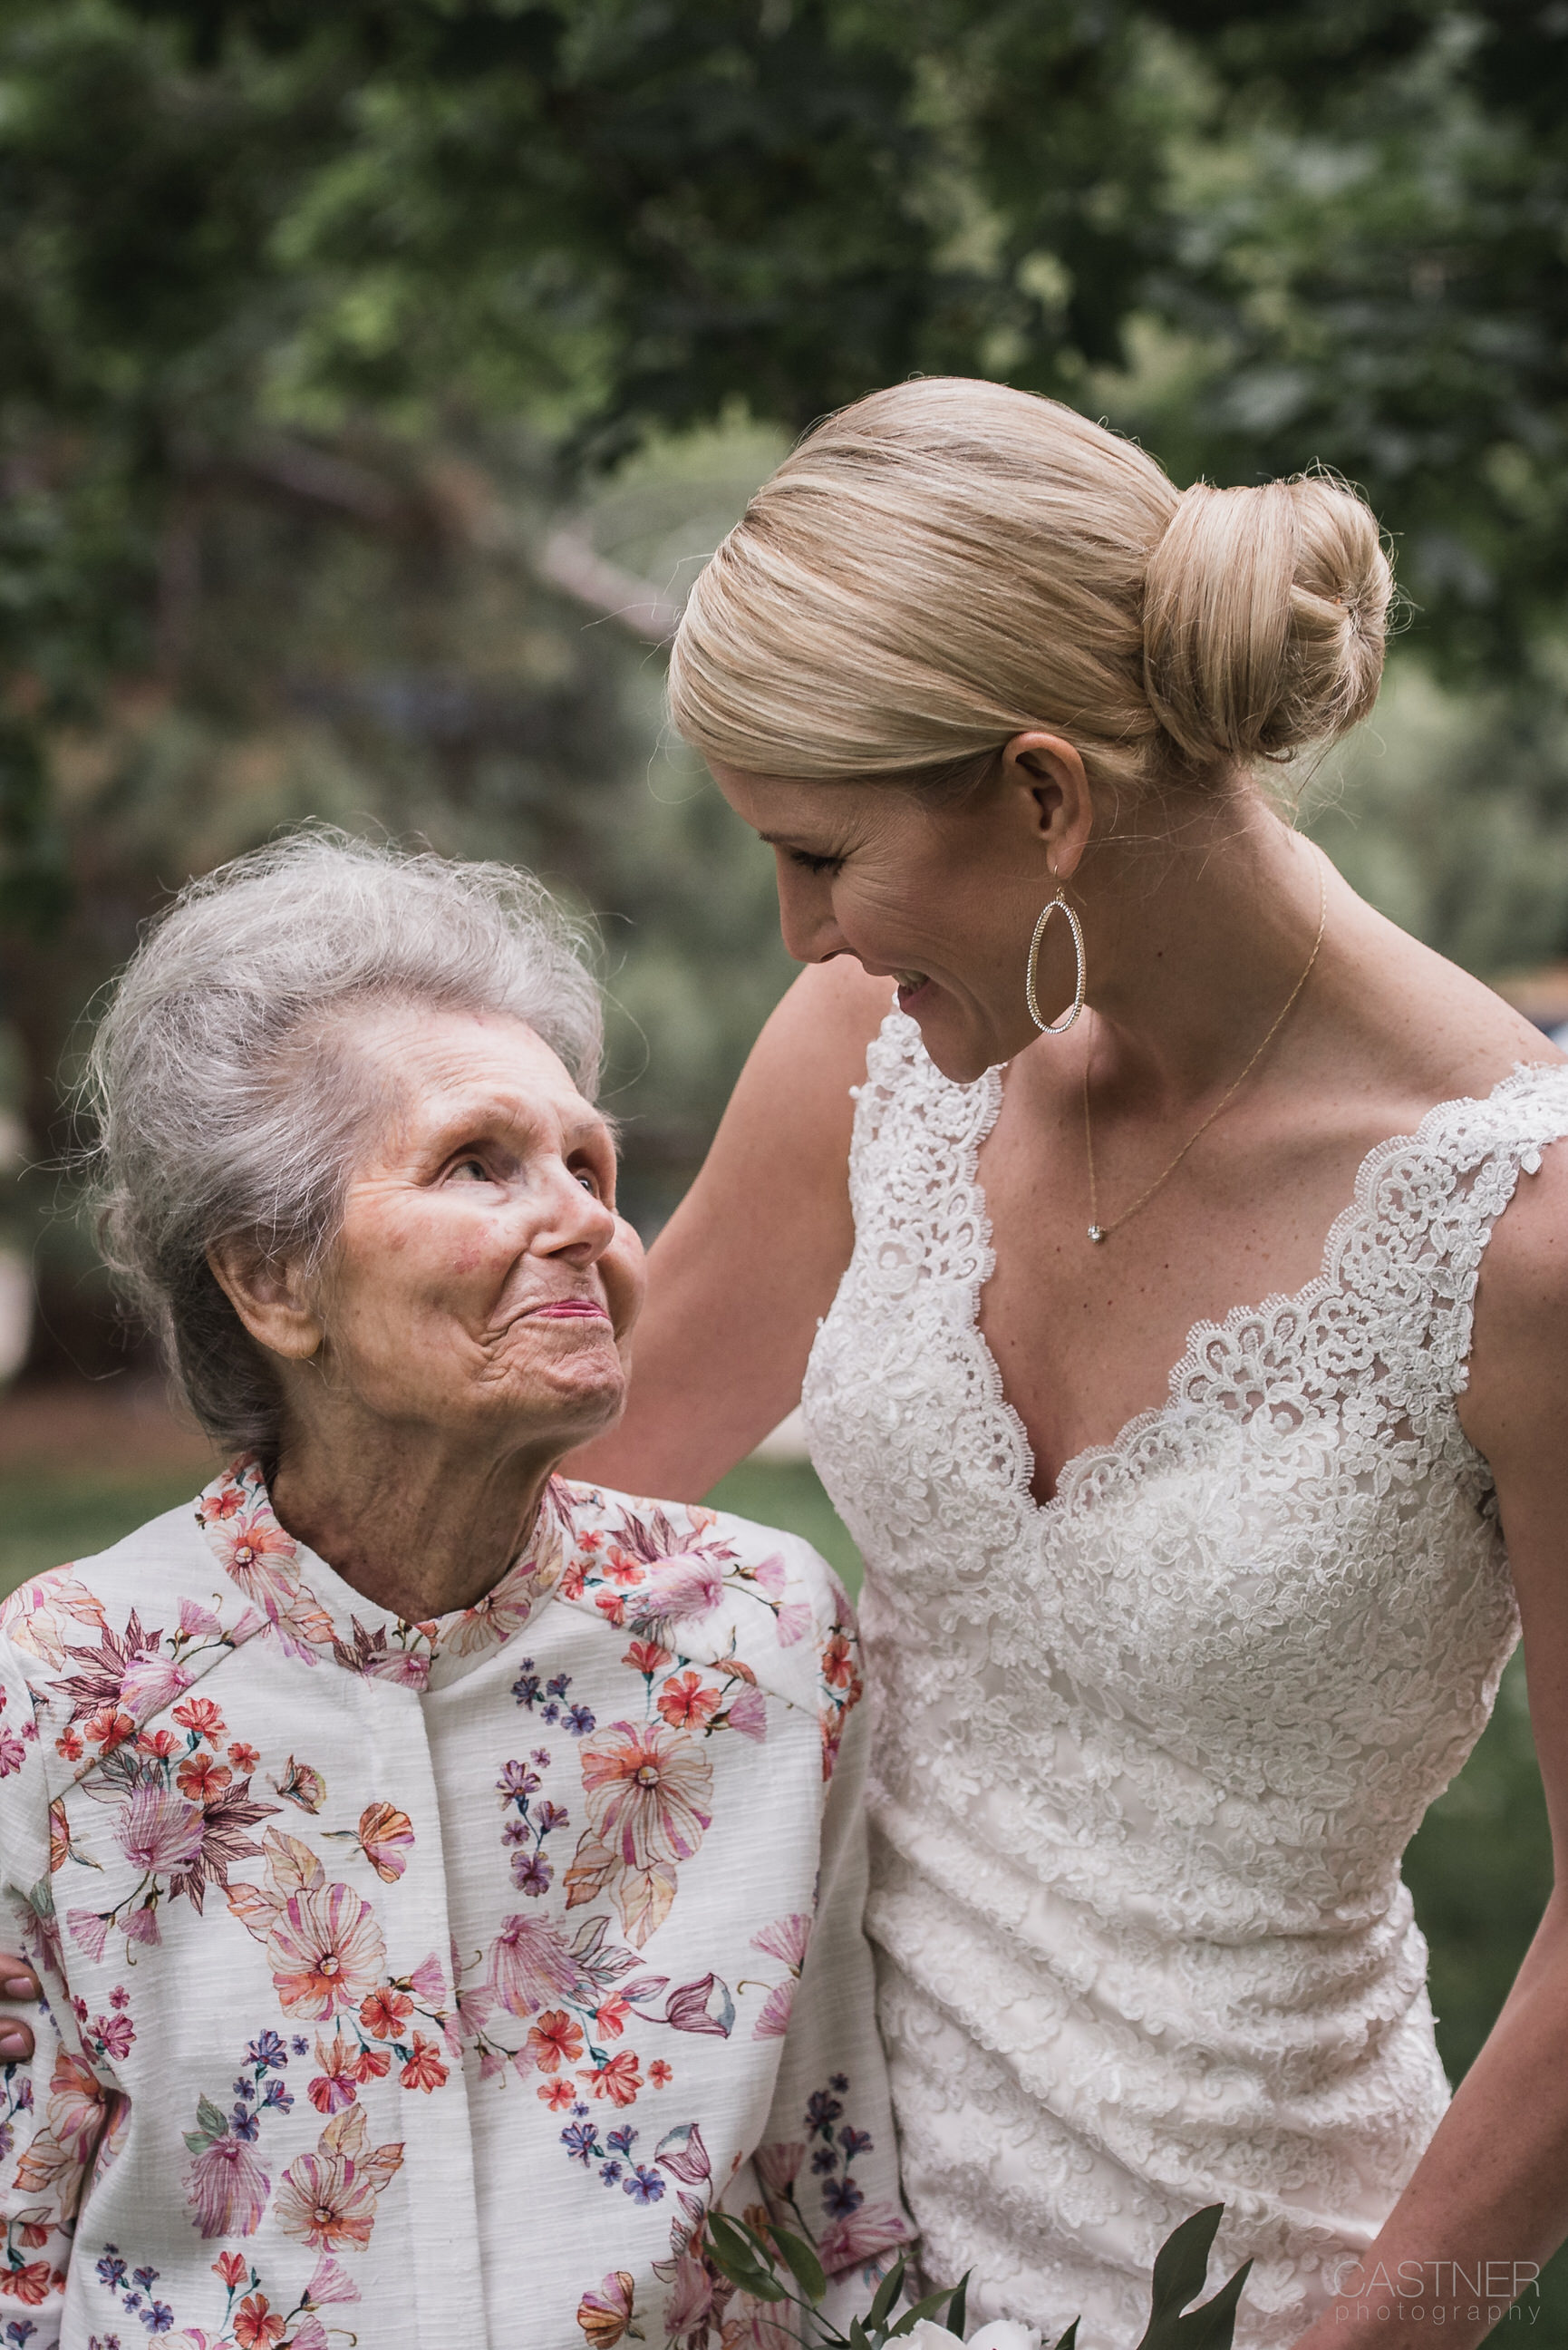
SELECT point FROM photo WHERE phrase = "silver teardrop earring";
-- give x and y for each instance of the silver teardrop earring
(1056, 905)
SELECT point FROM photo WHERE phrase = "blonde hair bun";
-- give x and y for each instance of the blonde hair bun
(1264, 618)
(950, 563)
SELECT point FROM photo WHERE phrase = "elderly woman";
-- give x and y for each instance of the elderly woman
(429, 1862)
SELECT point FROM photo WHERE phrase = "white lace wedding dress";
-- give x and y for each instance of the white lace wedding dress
(1148, 1756)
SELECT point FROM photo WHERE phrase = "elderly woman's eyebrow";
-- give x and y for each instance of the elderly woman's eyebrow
(470, 1118)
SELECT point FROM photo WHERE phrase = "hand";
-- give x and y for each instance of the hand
(17, 1981)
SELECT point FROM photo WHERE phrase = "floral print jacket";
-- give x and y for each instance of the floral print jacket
(428, 1983)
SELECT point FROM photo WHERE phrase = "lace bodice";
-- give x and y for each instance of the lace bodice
(1147, 1755)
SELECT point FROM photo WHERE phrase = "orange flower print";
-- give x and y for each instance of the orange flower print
(553, 2040)
(372, 2065)
(243, 1758)
(29, 2284)
(424, 2069)
(385, 2012)
(334, 2086)
(557, 2095)
(202, 1779)
(200, 1714)
(686, 1704)
(386, 1839)
(646, 1657)
(618, 2080)
(230, 2269)
(838, 1662)
(109, 1727)
(611, 2017)
(326, 1951)
(659, 2074)
(256, 2327)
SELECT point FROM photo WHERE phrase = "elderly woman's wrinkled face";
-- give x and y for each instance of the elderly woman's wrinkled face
(481, 1279)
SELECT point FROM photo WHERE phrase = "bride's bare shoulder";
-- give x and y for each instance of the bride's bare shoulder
(1452, 1034)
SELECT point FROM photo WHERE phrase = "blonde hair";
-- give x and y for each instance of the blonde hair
(950, 562)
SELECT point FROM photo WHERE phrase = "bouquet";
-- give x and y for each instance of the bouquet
(760, 2264)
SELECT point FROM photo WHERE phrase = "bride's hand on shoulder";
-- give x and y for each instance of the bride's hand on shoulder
(749, 1263)
(18, 1982)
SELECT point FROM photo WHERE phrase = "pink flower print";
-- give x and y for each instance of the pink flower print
(769, 1574)
(328, 2199)
(649, 1789)
(326, 1951)
(226, 2188)
(159, 1832)
(773, 2021)
(149, 1683)
(199, 1623)
(77, 2102)
(334, 2086)
(428, 1982)
(386, 1839)
(860, 2235)
(531, 1966)
(330, 2281)
(13, 1754)
(680, 1588)
(690, 2303)
(606, 2314)
(142, 1924)
(778, 2165)
(255, 1554)
(785, 1938)
(747, 1711)
(793, 1622)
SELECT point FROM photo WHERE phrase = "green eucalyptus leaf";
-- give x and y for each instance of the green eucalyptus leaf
(731, 2253)
(1181, 2267)
(1211, 2326)
(886, 2294)
(802, 2264)
(911, 2317)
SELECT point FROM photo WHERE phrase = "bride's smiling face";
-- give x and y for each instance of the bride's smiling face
(942, 899)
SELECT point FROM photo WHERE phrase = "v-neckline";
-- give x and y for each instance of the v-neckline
(1115, 1452)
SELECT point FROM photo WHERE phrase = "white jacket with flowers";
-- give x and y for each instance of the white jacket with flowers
(425, 1984)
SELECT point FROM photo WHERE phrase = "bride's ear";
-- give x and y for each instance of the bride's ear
(1048, 774)
(270, 1296)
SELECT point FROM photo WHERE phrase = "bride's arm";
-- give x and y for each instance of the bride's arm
(749, 1261)
(1489, 2200)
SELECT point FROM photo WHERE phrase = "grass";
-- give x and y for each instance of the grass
(1479, 1869)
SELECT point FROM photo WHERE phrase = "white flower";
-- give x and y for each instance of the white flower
(1002, 2334)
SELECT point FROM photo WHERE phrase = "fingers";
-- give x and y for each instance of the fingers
(16, 2042)
(17, 1980)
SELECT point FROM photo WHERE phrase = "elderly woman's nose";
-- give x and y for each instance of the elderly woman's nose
(580, 1223)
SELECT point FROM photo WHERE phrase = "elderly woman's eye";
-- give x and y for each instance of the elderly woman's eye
(589, 1182)
(471, 1170)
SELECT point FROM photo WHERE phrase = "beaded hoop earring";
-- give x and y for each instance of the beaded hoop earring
(1056, 905)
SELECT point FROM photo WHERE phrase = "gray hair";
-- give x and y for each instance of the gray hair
(225, 1105)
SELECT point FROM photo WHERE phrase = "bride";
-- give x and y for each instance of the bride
(1168, 1662)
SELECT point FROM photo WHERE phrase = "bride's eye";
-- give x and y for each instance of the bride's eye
(807, 863)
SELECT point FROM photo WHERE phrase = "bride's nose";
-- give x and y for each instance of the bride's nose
(806, 920)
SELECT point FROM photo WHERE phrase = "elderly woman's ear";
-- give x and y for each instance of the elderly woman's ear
(271, 1297)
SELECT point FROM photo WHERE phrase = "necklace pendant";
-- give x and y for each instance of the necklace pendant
(1095, 1233)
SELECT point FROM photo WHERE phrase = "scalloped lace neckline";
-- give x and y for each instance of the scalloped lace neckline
(1119, 1451)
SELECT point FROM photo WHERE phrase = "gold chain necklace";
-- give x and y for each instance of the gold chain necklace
(1098, 1231)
